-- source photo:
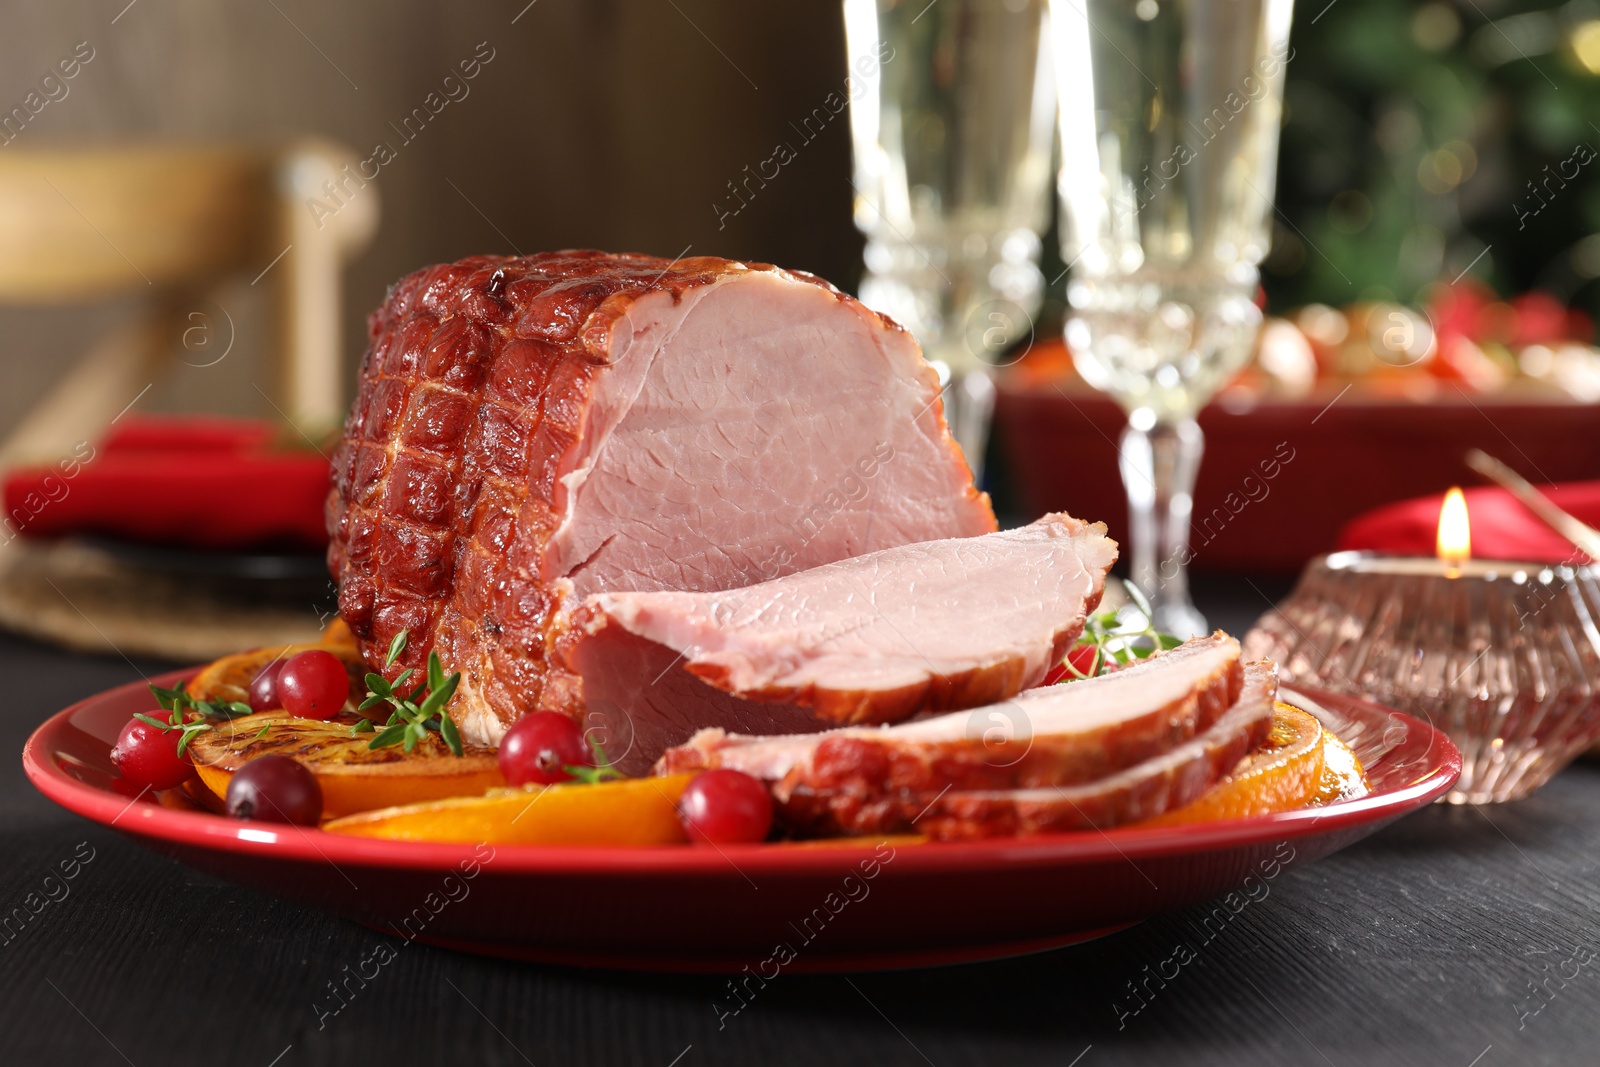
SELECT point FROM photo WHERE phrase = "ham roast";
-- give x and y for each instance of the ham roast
(1122, 746)
(530, 431)
(953, 623)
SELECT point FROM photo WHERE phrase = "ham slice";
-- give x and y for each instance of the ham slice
(945, 624)
(1143, 791)
(1055, 735)
(531, 430)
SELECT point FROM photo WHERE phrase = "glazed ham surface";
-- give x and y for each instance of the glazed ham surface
(533, 430)
(1154, 721)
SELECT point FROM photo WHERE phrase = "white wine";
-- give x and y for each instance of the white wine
(1170, 111)
(952, 133)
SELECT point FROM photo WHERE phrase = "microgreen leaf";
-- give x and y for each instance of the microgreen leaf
(397, 646)
(149, 721)
(362, 726)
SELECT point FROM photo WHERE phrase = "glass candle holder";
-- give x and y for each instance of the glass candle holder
(1503, 657)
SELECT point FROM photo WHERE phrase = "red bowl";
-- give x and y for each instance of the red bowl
(766, 907)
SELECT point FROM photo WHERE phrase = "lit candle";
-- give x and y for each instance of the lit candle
(1454, 543)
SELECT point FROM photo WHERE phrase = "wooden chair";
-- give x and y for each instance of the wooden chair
(168, 224)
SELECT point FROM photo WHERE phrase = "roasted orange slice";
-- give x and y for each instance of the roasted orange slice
(1343, 777)
(1285, 773)
(628, 811)
(353, 777)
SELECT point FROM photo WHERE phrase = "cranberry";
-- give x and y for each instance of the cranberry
(313, 685)
(275, 789)
(148, 756)
(540, 747)
(1081, 657)
(726, 807)
(264, 690)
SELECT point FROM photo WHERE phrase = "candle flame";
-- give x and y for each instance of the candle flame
(1455, 529)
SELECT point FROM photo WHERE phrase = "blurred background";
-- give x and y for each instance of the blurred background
(1431, 280)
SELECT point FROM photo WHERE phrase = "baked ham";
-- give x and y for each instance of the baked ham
(1158, 785)
(876, 638)
(1079, 736)
(954, 623)
(529, 431)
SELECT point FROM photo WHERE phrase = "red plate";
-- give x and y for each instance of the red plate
(768, 907)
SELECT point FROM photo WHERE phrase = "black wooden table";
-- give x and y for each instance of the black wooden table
(1459, 938)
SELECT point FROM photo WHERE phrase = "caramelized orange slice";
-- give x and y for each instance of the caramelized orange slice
(1343, 777)
(629, 811)
(353, 777)
(1285, 773)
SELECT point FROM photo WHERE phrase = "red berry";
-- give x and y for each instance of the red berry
(275, 789)
(1081, 657)
(726, 808)
(264, 690)
(540, 747)
(313, 685)
(148, 756)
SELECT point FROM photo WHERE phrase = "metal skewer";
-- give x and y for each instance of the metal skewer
(1580, 533)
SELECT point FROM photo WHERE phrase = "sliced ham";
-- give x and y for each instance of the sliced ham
(531, 430)
(954, 623)
(1055, 735)
(1143, 791)
(951, 623)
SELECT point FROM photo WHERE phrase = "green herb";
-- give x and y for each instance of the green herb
(409, 721)
(188, 715)
(1119, 637)
(178, 699)
(262, 732)
(601, 771)
(177, 721)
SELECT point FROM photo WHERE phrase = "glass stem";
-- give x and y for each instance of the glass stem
(1159, 463)
(969, 410)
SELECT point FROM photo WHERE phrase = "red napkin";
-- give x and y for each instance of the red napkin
(1501, 527)
(207, 483)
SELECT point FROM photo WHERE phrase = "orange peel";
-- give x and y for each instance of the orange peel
(627, 811)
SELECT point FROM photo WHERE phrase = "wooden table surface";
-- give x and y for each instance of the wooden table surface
(1458, 937)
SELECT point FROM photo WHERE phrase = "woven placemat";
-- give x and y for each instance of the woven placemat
(76, 595)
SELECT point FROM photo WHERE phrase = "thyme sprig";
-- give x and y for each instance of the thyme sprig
(188, 715)
(1119, 637)
(602, 770)
(409, 721)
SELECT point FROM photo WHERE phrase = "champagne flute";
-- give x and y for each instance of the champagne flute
(952, 111)
(1169, 138)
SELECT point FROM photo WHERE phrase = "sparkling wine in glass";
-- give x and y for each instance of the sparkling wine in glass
(952, 109)
(1169, 117)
